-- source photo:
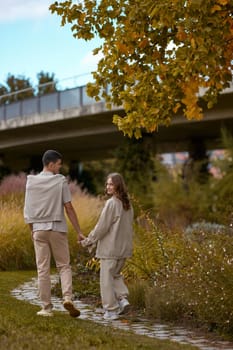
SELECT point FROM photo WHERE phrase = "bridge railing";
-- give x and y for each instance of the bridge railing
(59, 100)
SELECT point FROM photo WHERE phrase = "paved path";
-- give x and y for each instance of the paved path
(28, 292)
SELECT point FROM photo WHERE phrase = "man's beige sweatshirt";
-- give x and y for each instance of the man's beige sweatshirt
(43, 198)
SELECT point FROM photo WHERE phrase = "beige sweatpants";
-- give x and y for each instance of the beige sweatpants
(46, 244)
(112, 286)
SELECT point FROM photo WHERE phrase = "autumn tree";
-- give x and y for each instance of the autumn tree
(157, 55)
(16, 89)
(46, 83)
(19, 87)
(135, 160)
(3, 93)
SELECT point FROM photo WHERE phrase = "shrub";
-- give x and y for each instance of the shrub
(137, 292)
(185, 276)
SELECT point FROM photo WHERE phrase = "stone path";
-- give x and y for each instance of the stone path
(28, 292)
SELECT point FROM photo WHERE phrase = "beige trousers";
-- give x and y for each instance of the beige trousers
(46, 244)
(112, 286)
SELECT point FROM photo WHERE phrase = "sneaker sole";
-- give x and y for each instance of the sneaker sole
(45, 315)
(125, 310)
(111, 318)
(72, 309)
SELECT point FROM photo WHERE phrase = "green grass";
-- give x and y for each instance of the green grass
(20, 328)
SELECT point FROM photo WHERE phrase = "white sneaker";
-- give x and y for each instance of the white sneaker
(111, 315)
(124, 306)
(44, 312)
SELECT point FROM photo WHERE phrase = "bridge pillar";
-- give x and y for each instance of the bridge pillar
(196, 166)
(84, 178)
(4, 169)
(35, 164)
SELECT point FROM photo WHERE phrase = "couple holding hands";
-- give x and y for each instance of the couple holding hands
(47, 197)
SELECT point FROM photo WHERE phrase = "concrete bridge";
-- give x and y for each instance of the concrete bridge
(81, 129)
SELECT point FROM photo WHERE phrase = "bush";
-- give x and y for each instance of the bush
(185, 276)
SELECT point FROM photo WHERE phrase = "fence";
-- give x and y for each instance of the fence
(59, 100)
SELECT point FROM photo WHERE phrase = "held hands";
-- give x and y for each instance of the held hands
(80, 237)
(86, 243)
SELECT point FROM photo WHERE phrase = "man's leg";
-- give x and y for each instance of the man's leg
(61, 254)
(60, 250)
(43, 256)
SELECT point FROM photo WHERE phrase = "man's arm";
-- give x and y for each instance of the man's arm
(73, 219)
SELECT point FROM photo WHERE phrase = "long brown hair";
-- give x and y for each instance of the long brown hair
(120, 189)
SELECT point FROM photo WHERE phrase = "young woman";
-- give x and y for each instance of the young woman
(113, 234)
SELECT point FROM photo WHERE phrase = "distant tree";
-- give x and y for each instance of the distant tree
(156, 55)
(136, 162)
(3, 92)
(20, 87)
(46, 83)
(16, 89)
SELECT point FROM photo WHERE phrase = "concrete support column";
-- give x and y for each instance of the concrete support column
(196, 166)
(4, 169)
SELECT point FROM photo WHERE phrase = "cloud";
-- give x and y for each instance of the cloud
(12, 10)
(90, 61)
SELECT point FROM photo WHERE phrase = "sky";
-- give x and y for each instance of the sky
(32, 40)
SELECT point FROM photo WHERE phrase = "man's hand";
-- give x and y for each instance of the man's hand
(80, 237)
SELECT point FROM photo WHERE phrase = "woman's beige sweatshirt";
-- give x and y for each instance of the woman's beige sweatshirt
(113, 231)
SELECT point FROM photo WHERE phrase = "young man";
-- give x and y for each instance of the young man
(47, 195)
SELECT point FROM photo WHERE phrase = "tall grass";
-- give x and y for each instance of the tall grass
(16, 248)
(88, 209)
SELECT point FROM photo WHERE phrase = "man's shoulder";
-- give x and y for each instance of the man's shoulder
(46, 178)
(61, 177)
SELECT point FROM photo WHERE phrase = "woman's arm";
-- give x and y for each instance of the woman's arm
(107, 217)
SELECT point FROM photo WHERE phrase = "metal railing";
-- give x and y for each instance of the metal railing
(59, 100)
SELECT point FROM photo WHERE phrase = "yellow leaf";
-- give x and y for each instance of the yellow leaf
(137, 133)
(176, 108)
(122, 47)
(223, 2)
(143, 43)
(181, 35)
(193, 43)
(215, 8)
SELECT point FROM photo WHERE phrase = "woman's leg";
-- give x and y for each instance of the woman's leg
(120, 288)
(107, 273)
